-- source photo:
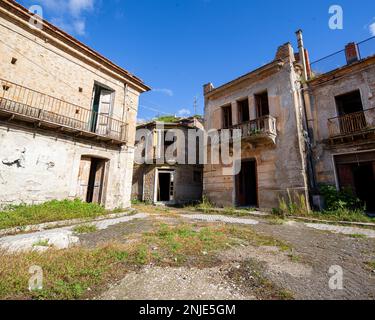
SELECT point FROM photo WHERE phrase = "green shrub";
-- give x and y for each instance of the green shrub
(339, 200)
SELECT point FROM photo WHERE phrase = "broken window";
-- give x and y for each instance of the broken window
(227, 117)
(262, 104)
(243, 111)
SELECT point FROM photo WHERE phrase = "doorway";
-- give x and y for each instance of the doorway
(101, 109)
(165, 186)
(357, 172)
(91, 179)
(246, 185)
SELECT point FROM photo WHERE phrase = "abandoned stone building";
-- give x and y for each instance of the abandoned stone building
(265, 105)
(165, 179)
(300, 128)
(342, 120)
(68, 116)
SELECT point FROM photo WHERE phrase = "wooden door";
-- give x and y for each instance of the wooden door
(98, 182)
(83, 178)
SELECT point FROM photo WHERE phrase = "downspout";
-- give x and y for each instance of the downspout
(308, 119)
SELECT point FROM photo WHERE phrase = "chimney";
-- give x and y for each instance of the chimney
(302, 53)
(351, 53)
(207, 88)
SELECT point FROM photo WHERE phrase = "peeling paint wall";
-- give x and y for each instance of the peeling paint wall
(50, 169)
(324, 108)
(50, 166)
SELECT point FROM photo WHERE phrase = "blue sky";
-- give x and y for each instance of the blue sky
(176, 46)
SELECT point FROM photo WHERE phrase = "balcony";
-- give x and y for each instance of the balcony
(19, 103)
(352, 126)
(261, 130)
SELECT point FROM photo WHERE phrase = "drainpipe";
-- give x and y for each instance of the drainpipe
(308, 119)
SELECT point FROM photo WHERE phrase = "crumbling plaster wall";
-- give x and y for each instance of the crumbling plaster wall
(279, 167)
(35, 167)
(324, 108)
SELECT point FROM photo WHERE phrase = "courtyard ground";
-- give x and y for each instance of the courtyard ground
(162, 253)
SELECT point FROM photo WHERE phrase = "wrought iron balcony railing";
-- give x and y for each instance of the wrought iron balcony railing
(22, 103)
(351, 124)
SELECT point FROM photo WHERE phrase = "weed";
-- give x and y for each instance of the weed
(85, 228)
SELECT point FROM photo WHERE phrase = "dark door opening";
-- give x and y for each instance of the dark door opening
(227, 117)
(359, 177)
(91, 179)
(262, 104)
(350, 111)
(349, 103)
(243, 111)
(165, 187)
(364, 180)
(246, 185)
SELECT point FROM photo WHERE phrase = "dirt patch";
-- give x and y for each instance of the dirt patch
(155, 283)
(321, 250)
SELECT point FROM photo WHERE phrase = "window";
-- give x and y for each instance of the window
(243, 111)
(227, 117)
(262, 104)
(349, 103)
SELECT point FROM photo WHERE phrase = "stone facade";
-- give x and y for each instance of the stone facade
(280, 161)
(187, 178)
(356, 141)
(37, 164)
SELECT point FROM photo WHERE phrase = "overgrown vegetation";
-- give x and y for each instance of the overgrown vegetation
(79, 273)
(294, 205)
(22, 215)
(85, 228)
(340, 200)
(340, 206)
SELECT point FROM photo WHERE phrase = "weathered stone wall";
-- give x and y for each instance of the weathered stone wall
(324, 108)
(36, 167)
(59, 71)
(186, 189)
(279, 167)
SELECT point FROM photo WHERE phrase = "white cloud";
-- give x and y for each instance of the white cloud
(184, 112)
(76, 7)
(69, 15)
(167, 92)
(372, 29)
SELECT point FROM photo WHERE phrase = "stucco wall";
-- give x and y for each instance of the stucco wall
(45, 167)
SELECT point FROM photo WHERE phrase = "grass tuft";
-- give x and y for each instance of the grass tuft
(23, 215)
(86, 228)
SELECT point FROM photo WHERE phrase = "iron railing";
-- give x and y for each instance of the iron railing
(352, 123)
(25, 102)
(336, 60)
(257, 128)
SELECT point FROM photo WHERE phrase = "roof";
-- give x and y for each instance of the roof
(275, 64)
(342, 71)
(21, 12)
